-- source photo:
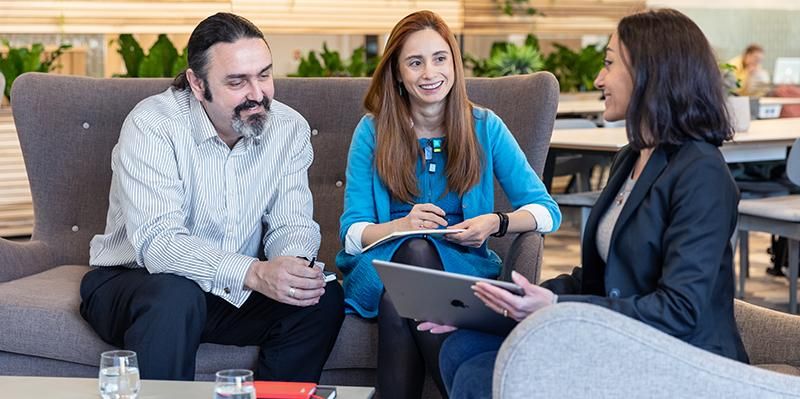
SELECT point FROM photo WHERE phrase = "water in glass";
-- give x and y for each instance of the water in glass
(234, 384)
(119, 375)
(231, 391)
(116, 385)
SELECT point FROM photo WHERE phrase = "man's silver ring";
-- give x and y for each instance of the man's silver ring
(505, 312)
(291, 292)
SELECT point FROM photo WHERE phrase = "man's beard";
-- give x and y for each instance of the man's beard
(255, 124)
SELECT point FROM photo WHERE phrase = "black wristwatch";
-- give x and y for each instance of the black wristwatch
(501, 231)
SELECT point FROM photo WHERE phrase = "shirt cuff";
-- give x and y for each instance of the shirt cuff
(229, 281)
(352, 241)
(544, 221)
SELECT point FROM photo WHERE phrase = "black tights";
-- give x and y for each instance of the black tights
(404, 354)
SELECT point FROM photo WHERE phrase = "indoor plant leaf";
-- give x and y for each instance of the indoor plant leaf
(181, 63)
(131, 53)
(164, 53)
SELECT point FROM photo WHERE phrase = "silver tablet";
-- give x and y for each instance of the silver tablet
(442, 297)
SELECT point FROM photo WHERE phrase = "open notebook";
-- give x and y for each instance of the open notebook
(398, 234)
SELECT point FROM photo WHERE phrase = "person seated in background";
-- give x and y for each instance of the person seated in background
(753, 78)
(205, 175)
(657, 243)
(425, 157)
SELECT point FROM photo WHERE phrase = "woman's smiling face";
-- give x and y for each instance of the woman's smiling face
(426, 68)
(615, 81)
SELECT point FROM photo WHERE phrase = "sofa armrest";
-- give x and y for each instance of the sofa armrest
(577, 350)
(19, 259)
(524, 256)
(769, 336)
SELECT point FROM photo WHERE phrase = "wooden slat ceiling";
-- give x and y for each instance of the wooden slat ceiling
(306, 16)
(558, 16)
(341, 16)
(181, 16)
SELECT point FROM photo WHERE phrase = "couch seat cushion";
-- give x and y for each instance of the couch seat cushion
(41, 318)
(356, 346)
(780, 368)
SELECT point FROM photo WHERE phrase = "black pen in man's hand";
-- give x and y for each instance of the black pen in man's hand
(312, 262)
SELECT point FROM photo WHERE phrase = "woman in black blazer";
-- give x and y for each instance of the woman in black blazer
(657, 244)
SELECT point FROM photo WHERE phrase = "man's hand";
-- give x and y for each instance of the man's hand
(286, 279)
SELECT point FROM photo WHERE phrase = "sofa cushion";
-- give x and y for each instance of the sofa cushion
(41, 318)
(355, 348)
(780, 368)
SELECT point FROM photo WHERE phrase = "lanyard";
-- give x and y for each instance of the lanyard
(433, 145)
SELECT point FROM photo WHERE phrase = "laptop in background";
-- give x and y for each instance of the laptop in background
(787, 71)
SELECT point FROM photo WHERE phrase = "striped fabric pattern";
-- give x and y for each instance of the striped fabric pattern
(183, 202)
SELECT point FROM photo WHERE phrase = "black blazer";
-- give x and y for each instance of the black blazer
(670, 262)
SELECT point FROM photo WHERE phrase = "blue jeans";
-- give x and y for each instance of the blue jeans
(466, 361)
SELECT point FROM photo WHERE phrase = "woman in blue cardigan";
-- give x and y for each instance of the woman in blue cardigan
(425, 158)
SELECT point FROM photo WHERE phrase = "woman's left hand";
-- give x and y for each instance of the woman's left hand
(477, 231)
(434, 328)
(511, 305)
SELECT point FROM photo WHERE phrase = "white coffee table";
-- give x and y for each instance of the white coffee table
(86, 388)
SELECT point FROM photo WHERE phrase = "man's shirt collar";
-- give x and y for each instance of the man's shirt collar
(199, 123)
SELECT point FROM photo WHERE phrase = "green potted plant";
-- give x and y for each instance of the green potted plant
(161, 60)
(575, 70)
(738, 106)
(508, 59)
(332, 64)
(19, 60)
(512, 7)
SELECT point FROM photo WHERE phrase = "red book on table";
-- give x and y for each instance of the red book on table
(284, 390)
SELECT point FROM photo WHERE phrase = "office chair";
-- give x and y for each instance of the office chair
(775, 215)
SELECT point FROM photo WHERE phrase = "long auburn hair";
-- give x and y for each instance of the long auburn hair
(677, 87)
(397, 150)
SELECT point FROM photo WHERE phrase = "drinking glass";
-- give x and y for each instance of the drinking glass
(234, 384)
(119, 375)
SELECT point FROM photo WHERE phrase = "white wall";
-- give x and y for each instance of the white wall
(731, 25)
(728, 4)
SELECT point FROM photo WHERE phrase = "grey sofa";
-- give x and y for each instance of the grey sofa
(575, 350)
(67, 127)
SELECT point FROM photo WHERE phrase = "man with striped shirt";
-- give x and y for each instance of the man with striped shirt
(210, 221)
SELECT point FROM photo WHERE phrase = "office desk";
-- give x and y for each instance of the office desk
(779, 100)
(594, 106)
(766, 140)
(597, 106)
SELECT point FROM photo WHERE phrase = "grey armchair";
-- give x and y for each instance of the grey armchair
(575, 350)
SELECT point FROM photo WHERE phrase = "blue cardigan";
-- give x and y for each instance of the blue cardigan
(366, 198)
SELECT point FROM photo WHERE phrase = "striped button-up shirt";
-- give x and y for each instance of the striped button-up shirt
(183, 202)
